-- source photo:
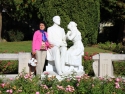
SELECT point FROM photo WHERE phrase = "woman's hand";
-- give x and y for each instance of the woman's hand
(43, 46)
(33, 53)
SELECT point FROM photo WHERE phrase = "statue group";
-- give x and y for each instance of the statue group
(65, 59)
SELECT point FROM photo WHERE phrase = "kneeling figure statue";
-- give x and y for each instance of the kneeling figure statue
(75, 52)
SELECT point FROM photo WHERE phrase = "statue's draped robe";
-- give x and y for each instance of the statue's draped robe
(74, 53)
(57, 38)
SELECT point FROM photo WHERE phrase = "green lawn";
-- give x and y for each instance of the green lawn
(25, 46)
(96, 50)
(12, 47)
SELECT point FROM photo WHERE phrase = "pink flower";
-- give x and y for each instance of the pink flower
(117, 85)
(117, 79)
(101, 78)
(78, 77)
(70, 88)
(11, 91)
(37, 93)
(27, 76)
(11, 79)
(46, 73)
(20, 74)
(78, 80)
(8, 91)
(60, 87)
(3, 84)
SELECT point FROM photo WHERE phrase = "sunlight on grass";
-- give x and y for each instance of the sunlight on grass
(26, 46)
(96, 50)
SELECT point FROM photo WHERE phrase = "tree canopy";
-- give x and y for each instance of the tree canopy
(112, 10)
(86, 13)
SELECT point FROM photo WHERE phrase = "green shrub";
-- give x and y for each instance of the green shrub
(9, 67)
(88, 67)
(119, 69)
(87, 63)
(15, 35)
(107, 45)
(25, 84)
(49, 81)
(118, 48)
(86, 13)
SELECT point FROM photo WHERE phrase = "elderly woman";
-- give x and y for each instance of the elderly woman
(75, 52)
(40, 45)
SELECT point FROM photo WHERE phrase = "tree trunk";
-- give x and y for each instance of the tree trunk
(123, 41)
(0, 26)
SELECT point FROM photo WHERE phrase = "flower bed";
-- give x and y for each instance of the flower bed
(9, 67)
(25, 84)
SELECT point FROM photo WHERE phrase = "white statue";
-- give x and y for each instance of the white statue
(57, 37)
(75, 52)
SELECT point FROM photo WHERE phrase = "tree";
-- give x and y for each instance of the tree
(2, 5)
(0, 22)
(86, 13)
(114, 11)
(18, 10)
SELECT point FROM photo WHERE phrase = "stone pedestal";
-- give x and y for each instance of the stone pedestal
(23, 62)
(102, 64)
(106, 67)
(51, 70)
(96, 67)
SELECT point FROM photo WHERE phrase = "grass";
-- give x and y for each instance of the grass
(25, 46)
(14, 47)
(96, 50)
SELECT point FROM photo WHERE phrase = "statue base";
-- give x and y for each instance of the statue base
(64, 75)
(68, 71)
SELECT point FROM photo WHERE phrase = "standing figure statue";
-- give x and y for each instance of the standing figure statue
(57, 37)
(75, 52)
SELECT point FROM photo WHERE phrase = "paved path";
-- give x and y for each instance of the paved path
(5, 77)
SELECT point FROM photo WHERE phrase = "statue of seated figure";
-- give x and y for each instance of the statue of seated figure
(74, 53)
(57, 37)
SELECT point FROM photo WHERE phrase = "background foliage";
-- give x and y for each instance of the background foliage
(27, 14)
(85, 13)
(113, 11)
